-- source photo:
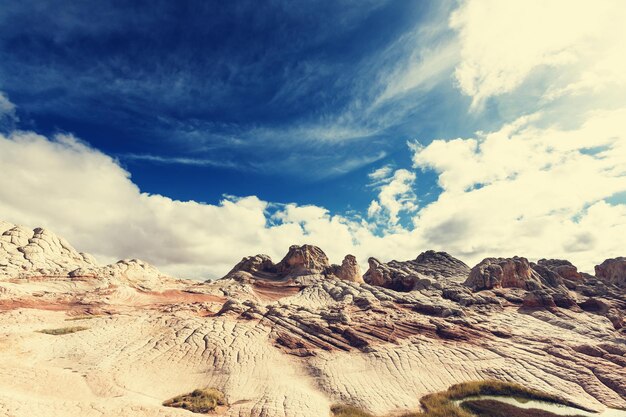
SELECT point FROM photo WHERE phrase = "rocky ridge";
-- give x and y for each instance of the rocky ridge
(428, 268)
(40, 253)
(300, 263)
(292, 337)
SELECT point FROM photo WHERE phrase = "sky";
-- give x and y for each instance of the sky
(191, 134)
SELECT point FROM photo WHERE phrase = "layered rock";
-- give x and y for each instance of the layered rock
(40, 253)
(612, 271)
(132, 271)
(349, 270)
(25, 252)
(300, 261)
(363, 344)
(303, 260)
(427, 269)
(513, 272)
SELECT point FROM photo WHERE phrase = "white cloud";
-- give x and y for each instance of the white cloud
(536, 187)
(428, 68)
(7, 108)
(180, 160)
(504, 42)
(534, 191)
(380, 173)
(395, 195)
(88, 198)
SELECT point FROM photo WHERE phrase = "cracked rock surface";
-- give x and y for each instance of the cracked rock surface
(292, 338)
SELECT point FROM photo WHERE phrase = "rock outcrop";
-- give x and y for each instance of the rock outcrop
(518, 272)
(612, 271)
(300, 261)
(132, 271)
(349, 270)
(427, 269)
(513, 272)
(25, 252)
(545, 326)
(303, 260)
(40, 253)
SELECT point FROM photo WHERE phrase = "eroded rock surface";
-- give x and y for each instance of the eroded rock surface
(428, 268)
(613, 271)
(37, 252)
(292, 338)
(40, 253)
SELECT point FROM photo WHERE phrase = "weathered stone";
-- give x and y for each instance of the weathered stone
(613, 271)
(349, 270)
(513, 272)
(428, 268)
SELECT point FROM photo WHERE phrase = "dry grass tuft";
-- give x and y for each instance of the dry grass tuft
(84, 317)
(199, 401)
(63, 330)
(491, 408)
(442, 404)
(348, 411)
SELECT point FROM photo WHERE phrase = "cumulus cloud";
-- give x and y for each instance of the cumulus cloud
(395, 195)
(87, 197)
(541, 185)
(504, 42)
(530, 190)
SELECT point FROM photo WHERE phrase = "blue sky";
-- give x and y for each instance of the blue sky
(201, 99)
(191, 134)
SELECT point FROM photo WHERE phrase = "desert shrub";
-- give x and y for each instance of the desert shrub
(342, 410)
(491, 408)
(198, 401)
(442, 404)
(63, 330)
(494, 387)
(84, 317)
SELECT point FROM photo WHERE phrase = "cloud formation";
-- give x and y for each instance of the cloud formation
(520, 190)
(547, 182)
(395, 195)
(503, 43)
(89, 198)
(526, 190)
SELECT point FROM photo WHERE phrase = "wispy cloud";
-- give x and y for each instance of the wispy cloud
(180, 160)
(8, 117)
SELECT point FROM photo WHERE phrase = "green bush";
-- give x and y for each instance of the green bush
(63, 330)
(83, 317)
(340, 410)
(198, 401)
(442, 404)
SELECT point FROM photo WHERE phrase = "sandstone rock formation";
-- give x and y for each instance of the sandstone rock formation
(292, 338)
(513, 272)
(613, 271)
(349, 270)
(299, 262)
(303, 260)
(426, 270)
(39, 251)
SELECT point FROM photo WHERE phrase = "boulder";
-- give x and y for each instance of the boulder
(612, 271)
(303, 260)
(429, 269)
(349, 270)
(513, 272)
